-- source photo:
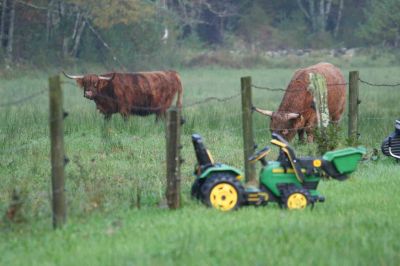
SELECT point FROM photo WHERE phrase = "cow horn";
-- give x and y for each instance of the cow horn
(72, 77)
(264, 112)
(107, 78)
(292, 115)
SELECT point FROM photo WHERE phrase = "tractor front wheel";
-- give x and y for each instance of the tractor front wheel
(295, 198)
(222, 191)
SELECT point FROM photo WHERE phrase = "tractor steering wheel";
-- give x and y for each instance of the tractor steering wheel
(259, 155)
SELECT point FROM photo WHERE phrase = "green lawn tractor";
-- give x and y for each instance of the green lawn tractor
(289, 181)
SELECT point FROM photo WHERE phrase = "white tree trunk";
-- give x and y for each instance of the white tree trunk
(339, 18)
(77, 39)
(164, 7)
(76, 25)
(317, 12)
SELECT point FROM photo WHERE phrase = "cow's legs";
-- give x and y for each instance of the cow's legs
(301, 135)
(125, 117)
(310, 137)
(309, 127)
(124, 113)
(160, 116)
(310, 133)
(106, 128)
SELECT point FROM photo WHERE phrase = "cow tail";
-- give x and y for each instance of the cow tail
(179, 99)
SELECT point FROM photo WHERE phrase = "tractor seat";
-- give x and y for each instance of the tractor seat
(204, 158)
(289, 153)
(279, 141)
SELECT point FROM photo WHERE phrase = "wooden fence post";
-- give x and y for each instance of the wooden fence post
(353, 107)
(173, 158)
(57, 151)
(247, 121)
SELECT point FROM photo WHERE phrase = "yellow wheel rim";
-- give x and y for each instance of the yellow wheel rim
(223, 196)
(297, 201)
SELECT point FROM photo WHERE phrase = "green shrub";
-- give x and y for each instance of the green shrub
(327, 139)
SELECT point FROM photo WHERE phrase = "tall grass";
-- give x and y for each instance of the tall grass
(110, 162)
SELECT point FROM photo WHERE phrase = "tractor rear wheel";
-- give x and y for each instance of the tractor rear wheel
(195, 190)
(294, 198)
(222, 191)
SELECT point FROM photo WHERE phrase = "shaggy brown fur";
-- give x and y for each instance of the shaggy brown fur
(299, 100)
(141, 93)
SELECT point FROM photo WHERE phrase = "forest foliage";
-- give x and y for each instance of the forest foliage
(165, 32)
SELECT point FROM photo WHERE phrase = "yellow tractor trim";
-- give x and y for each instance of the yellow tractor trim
(210, 156)
(278, 143)
(289, 171)
(265, 195)
(293, 164)
(262, 155)
(317, 163)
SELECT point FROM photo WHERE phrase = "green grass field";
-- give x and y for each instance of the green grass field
(109, 164)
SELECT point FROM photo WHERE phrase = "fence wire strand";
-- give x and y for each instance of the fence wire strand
(291, 90)
(25, 99)
(379, 85)
(258, 128)
(209, 99)
(191, 105)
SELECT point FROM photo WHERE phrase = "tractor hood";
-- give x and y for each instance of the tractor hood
(220, 167)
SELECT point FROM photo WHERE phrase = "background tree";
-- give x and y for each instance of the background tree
(144, 33)
(382, 24)
(7, 26)
(323, 15)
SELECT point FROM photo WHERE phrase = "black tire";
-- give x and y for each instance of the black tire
(222, 191)
(293, 197)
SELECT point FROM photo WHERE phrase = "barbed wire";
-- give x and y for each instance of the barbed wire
(332, 84)
(193, 104)
(291, 90)
(209, 99)
(71, 83)
(378, 85)
(187, 106)
(374, 118)
(157, 108)
(238, 128)
(267, 88)
(25, 99)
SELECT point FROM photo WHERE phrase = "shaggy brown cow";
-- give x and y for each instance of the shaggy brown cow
(141, 93)
(297, 113)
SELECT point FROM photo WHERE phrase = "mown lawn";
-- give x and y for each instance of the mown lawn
(110, 163)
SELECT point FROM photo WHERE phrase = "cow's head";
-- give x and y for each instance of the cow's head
(91, 84)
(284, 123)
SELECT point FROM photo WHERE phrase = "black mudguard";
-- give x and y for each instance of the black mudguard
(392, 141)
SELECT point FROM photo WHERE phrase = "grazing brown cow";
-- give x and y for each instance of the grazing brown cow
(297, 113)
(141, 93)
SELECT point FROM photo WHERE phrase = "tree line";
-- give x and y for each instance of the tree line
(46, 32)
